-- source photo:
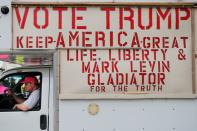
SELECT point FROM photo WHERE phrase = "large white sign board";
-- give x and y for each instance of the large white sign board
(113, 52)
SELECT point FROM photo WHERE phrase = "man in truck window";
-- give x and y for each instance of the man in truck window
(32, 86)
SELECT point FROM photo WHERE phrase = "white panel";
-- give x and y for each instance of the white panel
(137, 115)
(5, 26)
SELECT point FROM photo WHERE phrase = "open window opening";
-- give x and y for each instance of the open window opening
(19, 84)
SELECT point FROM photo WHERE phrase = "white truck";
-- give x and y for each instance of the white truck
(113, 66)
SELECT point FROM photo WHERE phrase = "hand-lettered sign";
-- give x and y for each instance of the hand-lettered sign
(113, 52)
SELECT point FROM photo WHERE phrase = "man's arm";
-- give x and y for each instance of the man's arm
(22, 107)
(17, 99)
(30, 102)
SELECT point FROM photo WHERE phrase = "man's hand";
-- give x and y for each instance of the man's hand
(20, 107)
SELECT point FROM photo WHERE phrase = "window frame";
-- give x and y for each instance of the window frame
(26, 73)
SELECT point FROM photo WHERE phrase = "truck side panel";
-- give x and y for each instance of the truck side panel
(5, 26)
(127, 115)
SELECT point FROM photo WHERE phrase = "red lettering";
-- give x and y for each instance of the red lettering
(187, 13)
(60, 10)
(100, 36)
(48, 40)
(85, 38)
(146, 44)
(85, 67)
(126, 54)
(152, 65)
(135, 41)
(110, 80)
(83, 53)
(184, 41)
(19, 43)
(142, 66)
(152, 78)
(60, 40)
(18, 16)
(29, 42)
(131, 67)
(73, 37)
(161, 78)
(93, 55)
(165, 42)
(119, 79)
(136, 54)
(39, 41)
(111, 39)
(166, 66)
(145, 54)
(46, 23)
(114, 66)
(142, 76)
(91, 81)
(154, 53)
(156, 41)
(119, 38)
(163, 51)
(128, 18)
(77, 18)
(163, 16)
(108, 10)
(133, 80)
(150, 23)
(175, 43)
(96, 68)
(105, 66)
(178, 17)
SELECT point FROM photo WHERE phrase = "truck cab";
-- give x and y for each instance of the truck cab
(39, 115)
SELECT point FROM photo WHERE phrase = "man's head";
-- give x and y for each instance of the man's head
(31, 83)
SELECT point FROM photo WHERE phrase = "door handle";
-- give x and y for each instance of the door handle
(43, 122)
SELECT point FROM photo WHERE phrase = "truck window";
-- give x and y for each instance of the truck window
(14, 90)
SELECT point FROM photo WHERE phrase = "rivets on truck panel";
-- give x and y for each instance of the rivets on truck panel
(4, 10)
(93, 109)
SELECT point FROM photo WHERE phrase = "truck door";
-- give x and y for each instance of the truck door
(35, 119)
